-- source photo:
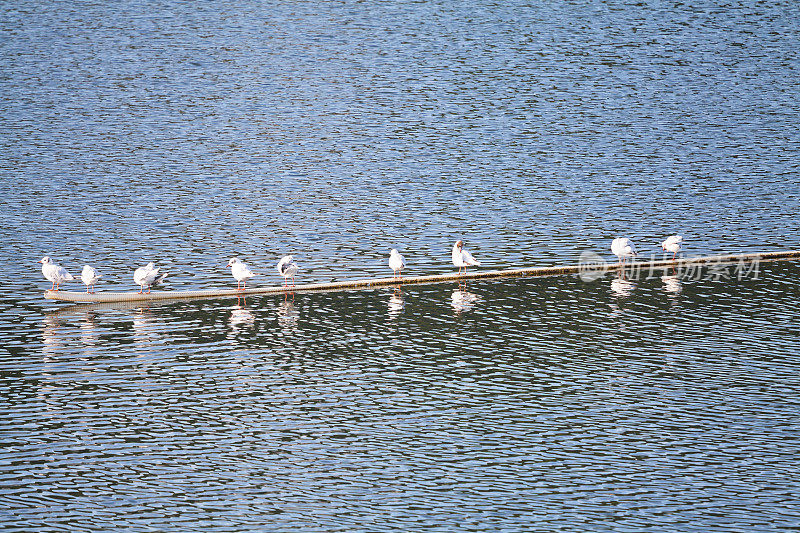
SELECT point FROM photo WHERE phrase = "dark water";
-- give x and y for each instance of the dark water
(188, 133)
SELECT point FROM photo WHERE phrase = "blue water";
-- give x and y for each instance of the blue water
(188, 133)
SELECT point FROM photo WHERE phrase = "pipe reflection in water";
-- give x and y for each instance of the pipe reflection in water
(397, 303)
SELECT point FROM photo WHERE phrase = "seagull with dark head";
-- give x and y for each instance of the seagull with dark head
(462, 258)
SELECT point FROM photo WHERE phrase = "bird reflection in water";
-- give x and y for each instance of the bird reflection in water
(396, 303)
(621, 287)
(462, 300)
(288, 294)
(672, 285)
(240, 315)
(145, 332)
(288, 314)
(142, 319)
(89, 330)
(52, 343)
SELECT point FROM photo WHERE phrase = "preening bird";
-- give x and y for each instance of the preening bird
(672, 244)
(462, 258)
(89, 277)
(623, 247)
(148, 276)
(287, 268)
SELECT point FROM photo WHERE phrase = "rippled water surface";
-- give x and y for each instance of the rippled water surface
(188, 133)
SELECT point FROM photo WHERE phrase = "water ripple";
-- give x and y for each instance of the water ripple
(334, 132)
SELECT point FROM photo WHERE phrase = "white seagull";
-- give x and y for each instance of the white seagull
(148, 276)
(54, 273)
(672, 244)
(397, 263)
(623, 247)
(287, 268)
(240, 271)
(462, 258)
(89, 277)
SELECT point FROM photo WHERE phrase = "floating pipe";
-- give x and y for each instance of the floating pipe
(591, 268)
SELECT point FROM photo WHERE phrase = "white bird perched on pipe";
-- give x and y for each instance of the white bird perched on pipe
(623, 247)
(241, 273)
(396, 262)
(89, 277)
(672, 244)
(148, 276)
(287, 268)
(54, 273)
(462, 258)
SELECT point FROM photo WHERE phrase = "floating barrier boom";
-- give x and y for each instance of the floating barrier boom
(591, 268)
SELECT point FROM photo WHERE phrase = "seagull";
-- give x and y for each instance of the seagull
(462, 258)
(287, 268)
(54, 273)
(672, 244)
(623, 247)
(148, 276)
(240, 272)
(89, 276)
(397, 263)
